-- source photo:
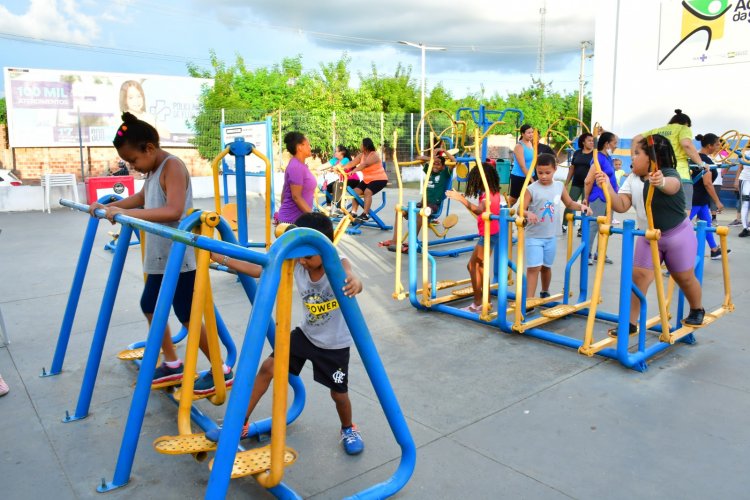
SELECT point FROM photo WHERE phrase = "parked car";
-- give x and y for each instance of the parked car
(8, 179)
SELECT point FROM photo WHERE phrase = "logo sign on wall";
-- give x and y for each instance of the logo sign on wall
(46, 107)
(256, 133)
(703, 33)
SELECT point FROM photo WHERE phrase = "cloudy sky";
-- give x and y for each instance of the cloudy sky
(488, 43)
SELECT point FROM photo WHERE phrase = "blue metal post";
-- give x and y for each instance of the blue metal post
(626, 283)
(73, 298)
(252, 348)
(102, 325)
(239, 148)
(146, 373)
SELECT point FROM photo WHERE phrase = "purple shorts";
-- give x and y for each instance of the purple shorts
(677, 249)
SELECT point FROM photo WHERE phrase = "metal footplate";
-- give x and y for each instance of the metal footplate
(463, 292)
(257, 460)
(184, 445)
(131, 354)
(676, 335)
(559, 311)
(168, 383)
(196, 397)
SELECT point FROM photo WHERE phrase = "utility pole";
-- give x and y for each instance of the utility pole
(582, 82)
(540, 57)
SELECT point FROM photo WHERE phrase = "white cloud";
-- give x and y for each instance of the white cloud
(479, 34)
(51, 20)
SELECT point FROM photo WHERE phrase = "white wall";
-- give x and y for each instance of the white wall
(631, 96)
(27, 198)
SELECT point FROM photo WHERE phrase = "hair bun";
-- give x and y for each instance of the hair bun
(678, 111)
(699, 137)
(128, 117)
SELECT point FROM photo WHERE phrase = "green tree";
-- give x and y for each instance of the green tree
(3, 112)
(397, 93)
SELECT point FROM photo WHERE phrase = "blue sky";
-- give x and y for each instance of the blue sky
(488, 43)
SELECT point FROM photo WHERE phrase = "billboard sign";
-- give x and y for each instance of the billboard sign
(695, 33)
(258, 134)
(47, 108)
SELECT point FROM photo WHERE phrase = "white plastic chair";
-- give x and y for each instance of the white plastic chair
(57, 180)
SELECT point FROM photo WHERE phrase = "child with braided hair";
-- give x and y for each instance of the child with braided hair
(475, 188)
(678, 244)
(165, 198)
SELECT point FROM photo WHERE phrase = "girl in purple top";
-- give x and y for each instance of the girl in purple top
(299, 183)
(593, 196)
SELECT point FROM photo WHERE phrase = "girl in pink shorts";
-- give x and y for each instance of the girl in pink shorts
(677, 244)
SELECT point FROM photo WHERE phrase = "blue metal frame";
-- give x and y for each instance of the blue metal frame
(239, 149)
(482, 118)
(635, 360)
(377, 222)
(296, 243)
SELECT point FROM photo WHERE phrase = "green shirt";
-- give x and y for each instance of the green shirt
(668, 209)
(676, 133)
(437, 184)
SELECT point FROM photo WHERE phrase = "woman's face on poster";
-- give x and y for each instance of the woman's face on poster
(135, 100)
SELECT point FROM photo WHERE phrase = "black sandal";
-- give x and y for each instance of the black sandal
(695, 318)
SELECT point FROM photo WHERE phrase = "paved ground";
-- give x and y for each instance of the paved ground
(493, 414)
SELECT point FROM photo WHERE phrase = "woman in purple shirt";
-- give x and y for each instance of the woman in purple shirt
(299, 183)
(593, 195)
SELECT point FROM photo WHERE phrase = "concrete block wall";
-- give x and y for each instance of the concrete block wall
(32, 163)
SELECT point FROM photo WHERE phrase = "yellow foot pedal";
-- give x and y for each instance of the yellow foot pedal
(534, 302)
(463, 292)
(196, 397)
(255, 461)
(168, 383)
(184, 445)
(440, 285)
(559, 311)
(707, 320)
(131, 354)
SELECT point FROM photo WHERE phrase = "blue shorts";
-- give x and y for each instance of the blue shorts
(183, 295)
(493, 242)
(540, 252)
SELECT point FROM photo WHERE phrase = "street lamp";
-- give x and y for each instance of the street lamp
(424, 48)
(582, 82)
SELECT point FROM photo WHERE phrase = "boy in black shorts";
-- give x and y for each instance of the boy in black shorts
(323, 336)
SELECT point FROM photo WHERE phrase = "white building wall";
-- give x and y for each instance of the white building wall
(631, 96)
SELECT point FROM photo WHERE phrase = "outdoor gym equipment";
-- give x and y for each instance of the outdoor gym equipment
(617, 347)
(567, 144)
(345, 218)
(276, 265)
(450, 220)
(237, 213)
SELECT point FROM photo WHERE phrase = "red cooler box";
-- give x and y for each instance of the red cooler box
(121, 185)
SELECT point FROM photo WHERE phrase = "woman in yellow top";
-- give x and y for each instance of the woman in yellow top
(374, 178)
(681, 138)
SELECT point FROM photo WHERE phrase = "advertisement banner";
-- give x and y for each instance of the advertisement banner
(55, 108)
(256, 133)
(703, 33)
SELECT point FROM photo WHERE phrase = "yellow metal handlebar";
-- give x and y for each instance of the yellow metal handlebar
(654, 244)
(520, 218)
(274, 475)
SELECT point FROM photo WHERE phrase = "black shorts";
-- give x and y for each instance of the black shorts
(516, 184)
(183, 294)
(433, 210)
(330, 366)
(374, 186)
